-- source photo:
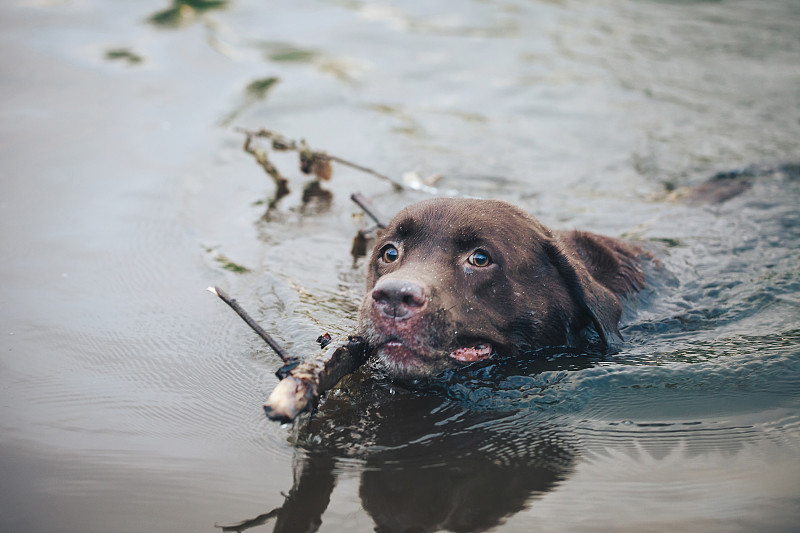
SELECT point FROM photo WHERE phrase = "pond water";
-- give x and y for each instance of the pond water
(130, 398)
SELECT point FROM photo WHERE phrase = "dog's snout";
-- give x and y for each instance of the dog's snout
(399, 299)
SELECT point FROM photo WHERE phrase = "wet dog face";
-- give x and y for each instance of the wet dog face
(453, 281)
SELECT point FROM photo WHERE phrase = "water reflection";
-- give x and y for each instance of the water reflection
(476, 493)
(426, 462)
(316, 199)
(578, 112)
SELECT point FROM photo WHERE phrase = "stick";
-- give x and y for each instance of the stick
(281, 143)
(302, 383)
(364, 203)
(396, 184)
(306, 382)
(281, 183)
(252, 323)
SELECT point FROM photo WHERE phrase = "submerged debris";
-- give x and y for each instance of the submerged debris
(324, 339)
(361, 244)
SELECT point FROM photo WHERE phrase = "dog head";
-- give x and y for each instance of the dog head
(453, 281)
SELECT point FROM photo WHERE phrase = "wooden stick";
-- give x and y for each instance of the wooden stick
(366, 205)
(302, 383)
(306, 382)
(396, 184)
(281, 183)
(252, 323)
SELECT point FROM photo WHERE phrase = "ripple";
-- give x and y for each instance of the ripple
(659, 439)
(203, 383)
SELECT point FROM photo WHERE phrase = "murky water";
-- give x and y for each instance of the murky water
(130, 399)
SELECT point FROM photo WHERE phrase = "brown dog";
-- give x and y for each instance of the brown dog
(452, 281)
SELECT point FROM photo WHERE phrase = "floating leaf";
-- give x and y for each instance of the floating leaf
(321, 166)
(289, 54)
(259, 88)
(123, 54)
(227, 264)
(184, 11)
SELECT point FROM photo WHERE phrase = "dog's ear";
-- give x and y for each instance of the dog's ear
(596, 300)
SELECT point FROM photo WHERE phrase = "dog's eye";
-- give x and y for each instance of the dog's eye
(479, 258)
(390, 254)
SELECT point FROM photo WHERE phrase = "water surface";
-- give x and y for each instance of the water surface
(130, 399)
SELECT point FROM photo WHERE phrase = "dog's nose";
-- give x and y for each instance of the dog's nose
(399, 299)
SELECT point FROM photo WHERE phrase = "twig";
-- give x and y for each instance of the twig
(261, 158)
(281, 143)
(366, 205)
(253, 324)
(302, 385)
(396, 184)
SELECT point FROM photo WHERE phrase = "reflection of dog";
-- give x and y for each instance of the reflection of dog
(454, 280)
(426, 462)
(474, 486)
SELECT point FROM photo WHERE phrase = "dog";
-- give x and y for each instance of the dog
(452, 281)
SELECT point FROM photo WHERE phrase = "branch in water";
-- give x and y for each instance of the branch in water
(302, 383)
(252, 323)
(366, 205)
(306, 382)
(311, 161)
(260, 156)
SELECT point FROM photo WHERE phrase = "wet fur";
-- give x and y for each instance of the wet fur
(545, 288)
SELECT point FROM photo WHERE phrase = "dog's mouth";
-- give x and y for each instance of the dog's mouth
(399, 358)
(398, 352)
(470, 354)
